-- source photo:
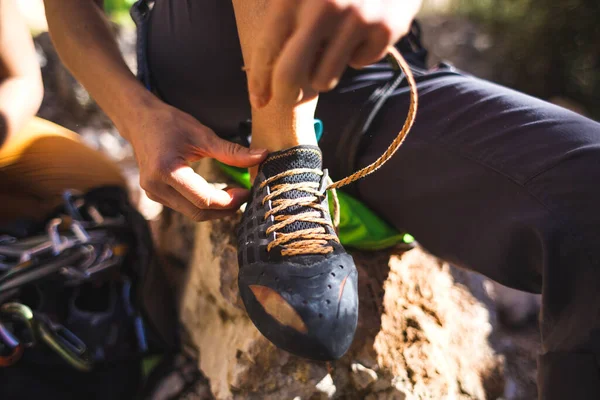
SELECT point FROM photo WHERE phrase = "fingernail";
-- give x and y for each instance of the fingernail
(332, 83)
(257, 152)
(257, 102)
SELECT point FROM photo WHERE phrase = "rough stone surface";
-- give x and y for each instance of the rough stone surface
(362, 377)
(434, 334)
(422, 345)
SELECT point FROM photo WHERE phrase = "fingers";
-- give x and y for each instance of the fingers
(200, 193)
(230, 153)
(171, 198)
(338, 53)
(305, 46)
(300, 55)
(278, 26)
(374, 47)
(194, 197)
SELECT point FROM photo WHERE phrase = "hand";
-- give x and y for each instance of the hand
(305, 45)
(165, 140)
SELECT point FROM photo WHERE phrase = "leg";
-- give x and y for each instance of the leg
(277, 126)
(499, 182)
(297, 283)
(42, 161)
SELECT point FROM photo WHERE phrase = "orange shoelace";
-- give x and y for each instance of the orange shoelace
(304, 241)
(316, 240)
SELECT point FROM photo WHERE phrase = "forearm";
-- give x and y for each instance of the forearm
(82, 36)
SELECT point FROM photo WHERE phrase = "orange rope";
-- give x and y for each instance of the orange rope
(410, 120)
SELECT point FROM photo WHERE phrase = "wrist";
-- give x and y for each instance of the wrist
(135, 106)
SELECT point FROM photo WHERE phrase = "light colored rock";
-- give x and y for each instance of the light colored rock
(326, 386)
(434, 334)
(390, 394)
(432, 339)
(382, 384)
(238, 361)
(362, 377)
(515, 308)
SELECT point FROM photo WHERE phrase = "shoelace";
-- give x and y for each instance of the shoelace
(304, 241)
(316, 240)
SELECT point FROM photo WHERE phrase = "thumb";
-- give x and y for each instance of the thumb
(234, 154)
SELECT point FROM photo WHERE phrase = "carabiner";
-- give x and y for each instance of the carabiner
(12, 358)
(7, 337)
(64, 343)
(21, 313)
(73, 201)
(13, 343)
(56, 336)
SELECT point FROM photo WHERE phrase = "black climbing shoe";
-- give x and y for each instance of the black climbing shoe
(297, 282)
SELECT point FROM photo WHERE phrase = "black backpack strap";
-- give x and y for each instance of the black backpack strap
(358, 128)
(140, 13)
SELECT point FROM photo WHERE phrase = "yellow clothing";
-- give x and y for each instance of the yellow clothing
(42, 161)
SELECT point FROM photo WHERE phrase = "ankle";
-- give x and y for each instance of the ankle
(279, 127)
(276, 143)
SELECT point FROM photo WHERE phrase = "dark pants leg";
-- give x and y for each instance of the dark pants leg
(509, 186)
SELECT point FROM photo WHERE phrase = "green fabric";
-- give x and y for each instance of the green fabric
(359, 227)
(149, 363)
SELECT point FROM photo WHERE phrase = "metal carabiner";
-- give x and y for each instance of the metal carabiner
(16, 348)
(73, 201)
(56, 336)
(7, 239)
(23, 314)
(29, 272)
(7, 337)
(12, 358)
(64, 343)
(58, 245)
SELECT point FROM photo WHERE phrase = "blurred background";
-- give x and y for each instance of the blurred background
(550, 49)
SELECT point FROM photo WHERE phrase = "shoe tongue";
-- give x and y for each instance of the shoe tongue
(296, 157)
(285, 160)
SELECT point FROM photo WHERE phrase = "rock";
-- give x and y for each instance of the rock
(427, 334)
(390, 394)
(434, 334)
(362, 377)
(382, 384)
(515, 308)
(326, 386)
(237, 359)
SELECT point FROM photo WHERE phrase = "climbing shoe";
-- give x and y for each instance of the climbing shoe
(298, 284)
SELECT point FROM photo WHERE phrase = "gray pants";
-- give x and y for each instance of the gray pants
(506, 185)
(489, 179)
